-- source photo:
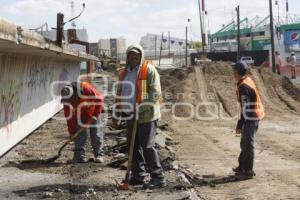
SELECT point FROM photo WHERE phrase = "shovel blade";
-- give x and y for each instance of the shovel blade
(50, 160)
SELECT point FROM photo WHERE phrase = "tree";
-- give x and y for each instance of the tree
(196, 45)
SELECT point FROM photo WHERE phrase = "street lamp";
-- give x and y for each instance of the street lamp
(189, 22)
(237, 9)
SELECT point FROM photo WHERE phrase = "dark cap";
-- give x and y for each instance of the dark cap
(241, 67)
(66, 93)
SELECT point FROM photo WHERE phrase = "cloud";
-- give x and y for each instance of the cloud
(134, 18)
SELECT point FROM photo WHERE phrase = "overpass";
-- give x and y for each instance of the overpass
(32, 72)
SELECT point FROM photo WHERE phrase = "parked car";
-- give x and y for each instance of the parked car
(248, 60)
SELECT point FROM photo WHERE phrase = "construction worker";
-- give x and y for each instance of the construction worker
(252, 112)
(83, 105)
(138, 95)
(278, 62)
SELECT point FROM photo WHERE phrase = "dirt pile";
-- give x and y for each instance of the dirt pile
(213, 86)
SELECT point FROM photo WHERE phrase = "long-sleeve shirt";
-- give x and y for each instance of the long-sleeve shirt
(150, 107)
(129, 89)
(293, 60)
(278, 60)
(88, 105)
(247, 99)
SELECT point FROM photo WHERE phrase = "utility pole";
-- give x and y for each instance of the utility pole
(272, 36)
(162, 37)
(287, 11)
(186, 46)
(238, 34)
(278, 16)
(155, 45)
(201, 26)
(59, 29)
(169, 43)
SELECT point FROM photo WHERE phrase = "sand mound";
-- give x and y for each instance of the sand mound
(214, 84)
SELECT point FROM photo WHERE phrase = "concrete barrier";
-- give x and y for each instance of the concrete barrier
(32, 72)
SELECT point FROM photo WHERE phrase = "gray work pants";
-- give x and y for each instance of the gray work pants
(246, 158)
(144, 153)
(96, 134)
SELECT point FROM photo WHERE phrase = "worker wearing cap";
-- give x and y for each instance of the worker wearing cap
(293, 60)
(83, 105)
(252, 112)
(138, 96)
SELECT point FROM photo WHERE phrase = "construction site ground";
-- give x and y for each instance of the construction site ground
(201, 134)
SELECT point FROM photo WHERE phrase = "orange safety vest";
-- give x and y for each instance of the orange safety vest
(141, 84)
(258, 109)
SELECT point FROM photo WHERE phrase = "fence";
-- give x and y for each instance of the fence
(258, 56)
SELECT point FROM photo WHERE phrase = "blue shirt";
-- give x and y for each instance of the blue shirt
(128, 91)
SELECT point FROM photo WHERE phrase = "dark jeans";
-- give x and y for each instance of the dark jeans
(144, 153)
(246, 158)
(96, 134)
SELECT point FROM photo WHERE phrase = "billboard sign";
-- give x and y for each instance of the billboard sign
(292, 39)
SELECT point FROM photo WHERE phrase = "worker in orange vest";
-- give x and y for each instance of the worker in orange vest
(83, 105)
(252, 112)
(138, 96)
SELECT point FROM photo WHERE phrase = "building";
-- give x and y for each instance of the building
(152, 41)
(257, 36)
(112, 47)
(94, 49)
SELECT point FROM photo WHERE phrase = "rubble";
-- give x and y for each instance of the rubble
(48, 195)
(160, 140)
(181, 180)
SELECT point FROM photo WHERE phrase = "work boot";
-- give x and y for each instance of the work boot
(99, 159)
(78, 160)
(155, 184)
(133, 181)
(249, 174)
(238, 170)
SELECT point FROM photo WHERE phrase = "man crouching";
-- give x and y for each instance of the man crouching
(83, 105)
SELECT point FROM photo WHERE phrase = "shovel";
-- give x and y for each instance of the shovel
(125, 183)
(52, 159)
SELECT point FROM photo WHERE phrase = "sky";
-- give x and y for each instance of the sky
(133, 19)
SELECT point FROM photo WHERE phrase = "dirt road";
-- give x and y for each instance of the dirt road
(210, 147)
(201, 112)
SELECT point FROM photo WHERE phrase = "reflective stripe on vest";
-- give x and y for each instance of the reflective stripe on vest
(141, 84)
(259, 109)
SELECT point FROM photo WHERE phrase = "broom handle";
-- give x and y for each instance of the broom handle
(132, 141)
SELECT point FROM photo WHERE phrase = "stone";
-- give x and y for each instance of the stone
(119, 155)
(58, 190)
(160, 139)
(48, 195)
(148, 191)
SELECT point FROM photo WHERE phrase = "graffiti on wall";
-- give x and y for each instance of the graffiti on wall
(63, 76)
(39, 75)
(10, 104)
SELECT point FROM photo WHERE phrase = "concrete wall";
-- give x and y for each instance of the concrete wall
(29, 64)
(25, 96)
